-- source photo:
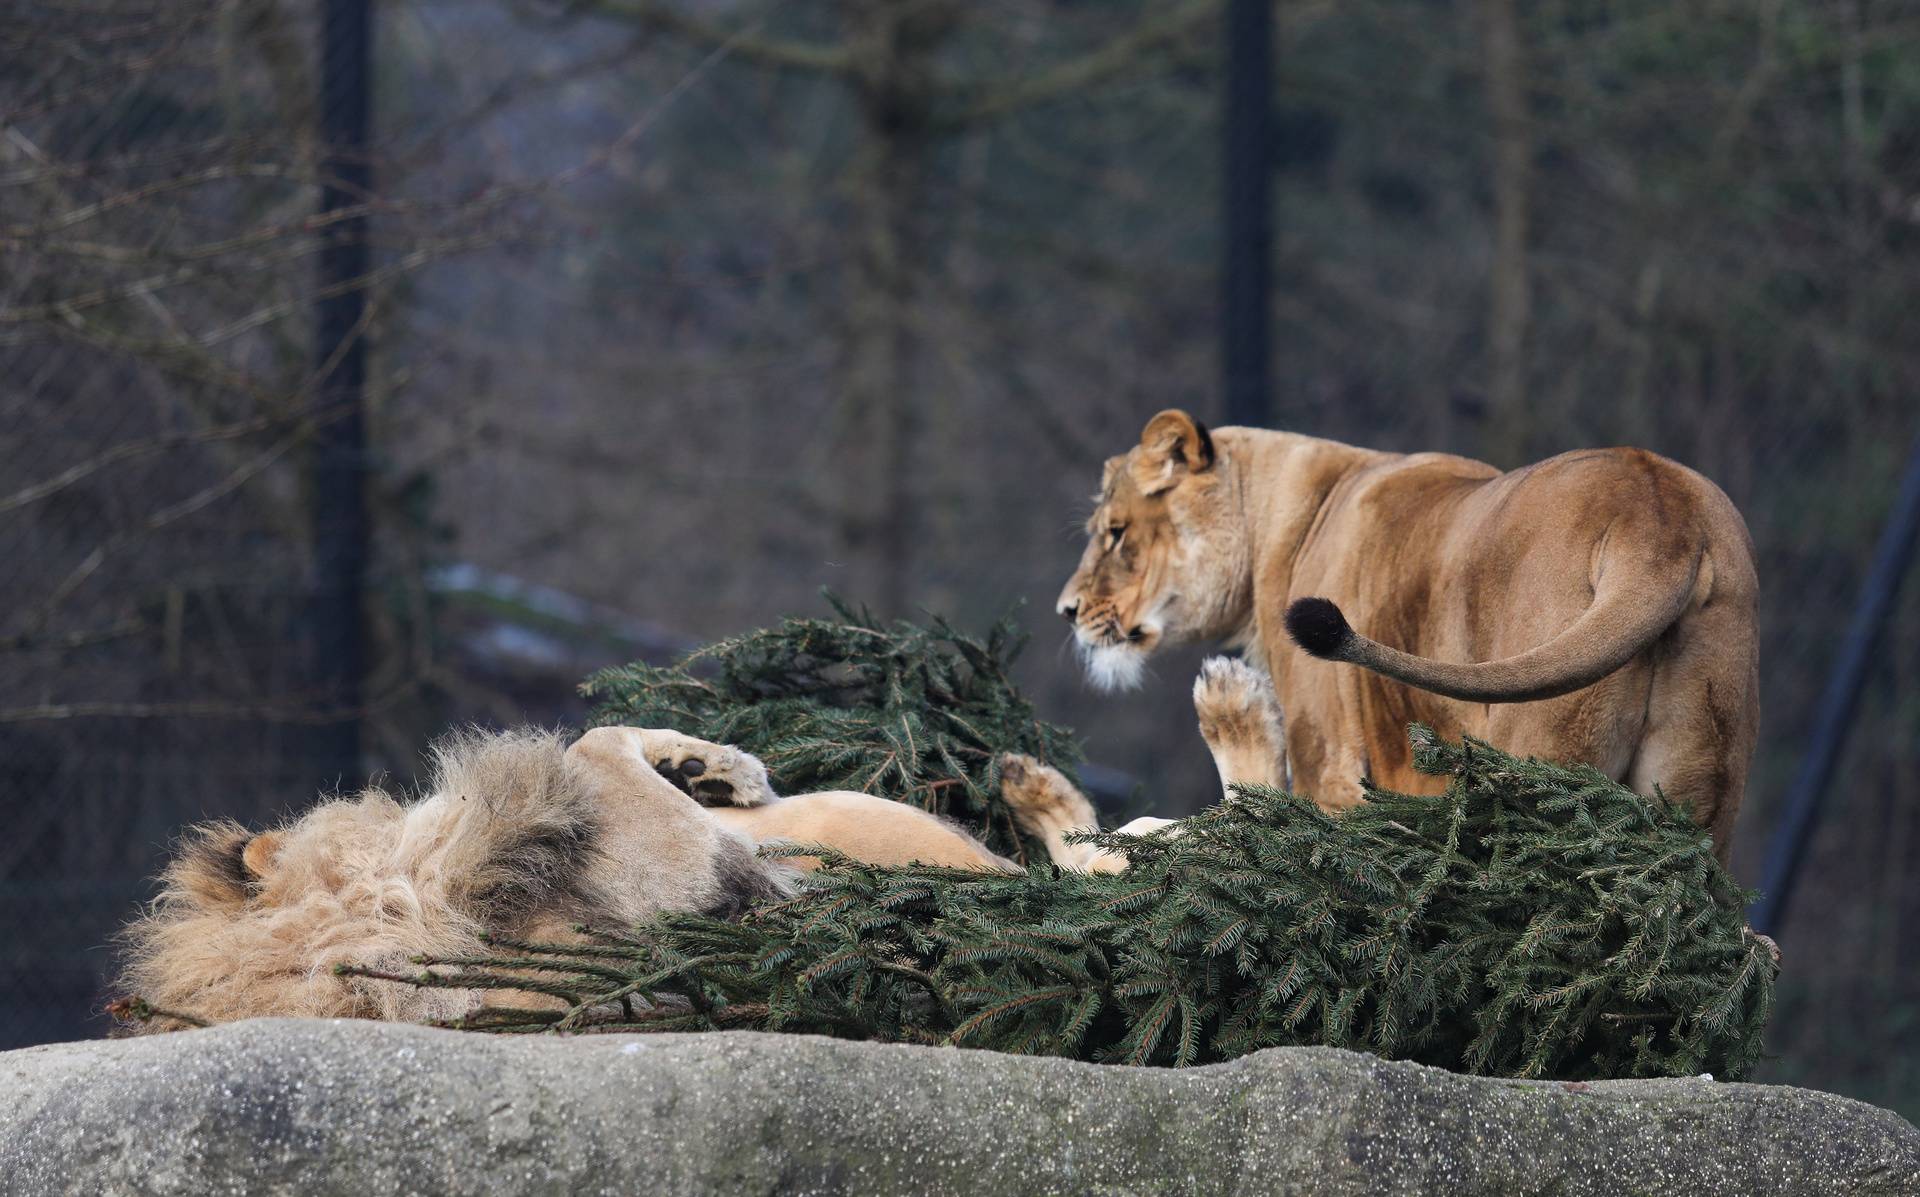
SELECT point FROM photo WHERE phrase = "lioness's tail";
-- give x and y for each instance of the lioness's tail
(1630, 609)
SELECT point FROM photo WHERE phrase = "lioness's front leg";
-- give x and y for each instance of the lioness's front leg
(711, 774)
(1241, 722)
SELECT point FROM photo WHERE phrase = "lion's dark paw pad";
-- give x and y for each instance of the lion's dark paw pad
(674, 777)
(713, 792)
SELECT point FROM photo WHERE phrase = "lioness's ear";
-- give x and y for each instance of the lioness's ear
(1172, 444)
(257, 856)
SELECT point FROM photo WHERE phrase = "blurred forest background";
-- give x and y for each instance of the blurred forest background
(671, 312)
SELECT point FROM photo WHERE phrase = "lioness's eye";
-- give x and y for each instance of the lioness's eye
(1114, 534)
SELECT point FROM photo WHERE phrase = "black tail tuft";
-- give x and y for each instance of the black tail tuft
(1317, 626)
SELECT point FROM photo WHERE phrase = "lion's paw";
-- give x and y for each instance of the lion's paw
(711, 774)
(1235, 703)
(1027, 785)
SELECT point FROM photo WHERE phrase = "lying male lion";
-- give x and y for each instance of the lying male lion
(1597, 607)
(521, 837)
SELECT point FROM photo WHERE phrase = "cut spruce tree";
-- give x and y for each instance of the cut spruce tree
(918, 714)
(1536, 920)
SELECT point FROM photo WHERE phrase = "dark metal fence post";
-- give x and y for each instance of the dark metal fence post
(1788, 847)
(339, 514)
(1247, 247)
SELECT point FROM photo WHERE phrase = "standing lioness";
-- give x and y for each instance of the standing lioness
(1596, 607)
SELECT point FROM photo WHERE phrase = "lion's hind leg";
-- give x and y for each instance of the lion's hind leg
(1048, 807)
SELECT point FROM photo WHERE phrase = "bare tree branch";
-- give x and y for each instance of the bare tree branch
(743, 42)
(91, 563)
(129, 450)
(1118, 57)
(120, 629)
(159, 187)
(265, 712)
(1509, 295)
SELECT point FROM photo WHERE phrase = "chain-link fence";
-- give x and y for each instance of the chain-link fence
(685, 310)
(151, 425)
(188, 289)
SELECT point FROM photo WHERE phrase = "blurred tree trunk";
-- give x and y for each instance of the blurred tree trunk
(887, 56)
(891, 49)
(1509, 299)
(1863, 239)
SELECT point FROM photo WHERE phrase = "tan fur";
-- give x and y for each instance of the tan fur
(1050, 808)
(515, 836)
(519, 837)
(1241, 722)
(1596, 607)
(877, 830)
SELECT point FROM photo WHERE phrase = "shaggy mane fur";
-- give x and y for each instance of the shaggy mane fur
(507, 838)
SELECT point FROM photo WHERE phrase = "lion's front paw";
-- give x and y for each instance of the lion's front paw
(711, 774)
(1235, 703)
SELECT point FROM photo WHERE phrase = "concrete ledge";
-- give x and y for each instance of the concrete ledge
(310, 1107)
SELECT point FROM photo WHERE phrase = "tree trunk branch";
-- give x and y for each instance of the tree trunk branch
(1509, 299)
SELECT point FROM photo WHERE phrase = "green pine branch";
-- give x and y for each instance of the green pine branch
(1536, 920)
(918, 714)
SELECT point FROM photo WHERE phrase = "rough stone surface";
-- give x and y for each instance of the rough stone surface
(312, 1107)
